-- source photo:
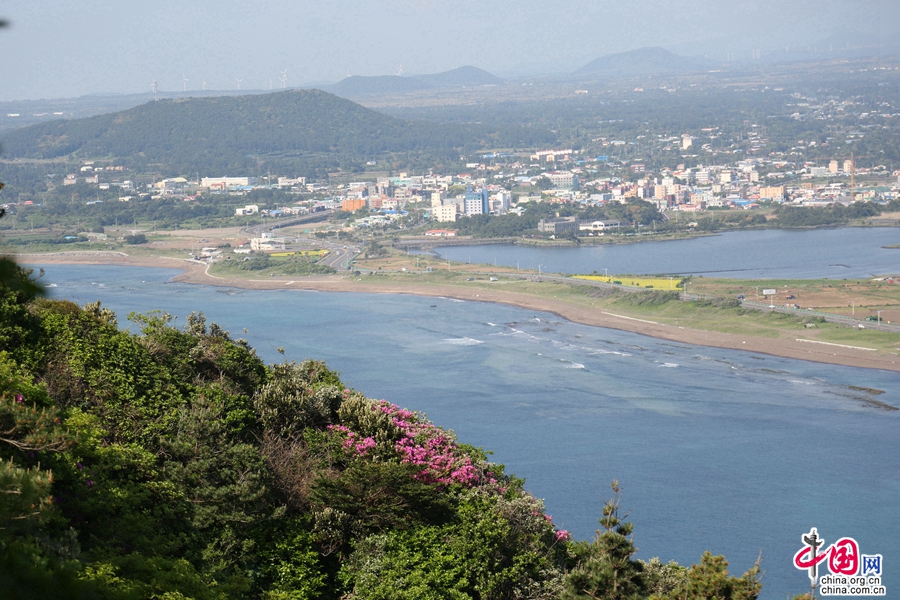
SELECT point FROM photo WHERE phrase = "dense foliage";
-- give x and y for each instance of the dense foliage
(289, 265)
(173, 463)
(827, 215)
(634, 212)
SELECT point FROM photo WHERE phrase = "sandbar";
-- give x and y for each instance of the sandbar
(195, 273)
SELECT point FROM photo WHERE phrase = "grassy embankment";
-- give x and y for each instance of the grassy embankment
(657, 299)
(159, 244)
(291, 264)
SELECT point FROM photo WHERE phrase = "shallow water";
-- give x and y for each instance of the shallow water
(715, 449)
(769, 254)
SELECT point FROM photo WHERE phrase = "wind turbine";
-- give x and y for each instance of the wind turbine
(400, 71)
(155, 87)
(239, 82)
(204, 83)
(184, 81)
(283, 79)
(270, 83)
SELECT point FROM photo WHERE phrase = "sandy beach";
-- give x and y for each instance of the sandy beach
(195, 273)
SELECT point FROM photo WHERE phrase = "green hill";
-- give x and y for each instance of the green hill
(358, 86)
(462, 76)
(639, 63)
(222, 133)
(376, 85)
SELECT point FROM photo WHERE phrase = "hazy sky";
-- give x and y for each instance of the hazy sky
(62, 48)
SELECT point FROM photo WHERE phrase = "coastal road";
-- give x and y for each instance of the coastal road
(255, 230)
(829, 317)
(339, 256)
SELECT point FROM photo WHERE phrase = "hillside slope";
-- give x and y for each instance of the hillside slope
(462, 76)
(640, 62)
(225, 132)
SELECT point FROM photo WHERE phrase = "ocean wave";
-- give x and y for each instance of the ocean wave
(566, 345)
(462, 341)
(519, 333)
(595, 351)
(669, 365)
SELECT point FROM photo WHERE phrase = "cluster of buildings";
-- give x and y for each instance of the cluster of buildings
(743, 184)
(90, 173)
(444, 197)
(748, 183)
(498, 184)
(574, 226)
(566, 176)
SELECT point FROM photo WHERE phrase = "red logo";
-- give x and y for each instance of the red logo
(843, 555)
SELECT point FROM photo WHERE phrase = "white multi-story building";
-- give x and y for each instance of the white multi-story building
(476, 202)
(501, 201)
(444, 213)
(474, 206)
(563, 180)
(224, 183)
(250, 209)
(288, 182)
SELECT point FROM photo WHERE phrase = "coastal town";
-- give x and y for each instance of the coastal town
(501, 183)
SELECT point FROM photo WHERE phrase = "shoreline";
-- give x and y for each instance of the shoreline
(195, 273)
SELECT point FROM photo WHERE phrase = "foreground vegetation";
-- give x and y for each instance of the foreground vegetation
(173, 463)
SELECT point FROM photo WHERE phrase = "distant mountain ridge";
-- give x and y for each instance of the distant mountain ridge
(460, 77)
(362, 85)
(359, 85)
(641, 62)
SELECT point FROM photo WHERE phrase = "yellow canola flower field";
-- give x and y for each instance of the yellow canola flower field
(657, 283)
(301, 253)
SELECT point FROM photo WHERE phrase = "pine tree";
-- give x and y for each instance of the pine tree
(606, 569)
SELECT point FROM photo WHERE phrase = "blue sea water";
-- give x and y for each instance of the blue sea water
(774, 253)
(730, 451)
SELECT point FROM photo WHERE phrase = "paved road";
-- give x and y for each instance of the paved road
(339, 257)
(829, 317)
(255, 230)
